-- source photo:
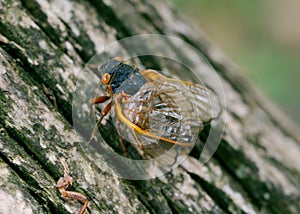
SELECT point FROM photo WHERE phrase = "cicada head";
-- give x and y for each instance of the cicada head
(119, 76)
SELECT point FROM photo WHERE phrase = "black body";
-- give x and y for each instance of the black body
(123, 77)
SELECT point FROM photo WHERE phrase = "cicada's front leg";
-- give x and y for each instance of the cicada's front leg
(64, 182)
(105, 111)
(98, 100)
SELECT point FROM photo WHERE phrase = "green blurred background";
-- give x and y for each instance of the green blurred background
(262, 37)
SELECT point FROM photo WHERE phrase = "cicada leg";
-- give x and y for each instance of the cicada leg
(139, 148)
(103, 114)
(137, 139)
(97, 100)
(64, 182)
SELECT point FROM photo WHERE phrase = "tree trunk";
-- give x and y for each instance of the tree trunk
(44, 45)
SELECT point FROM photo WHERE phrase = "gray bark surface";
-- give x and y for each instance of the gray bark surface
(43, 46)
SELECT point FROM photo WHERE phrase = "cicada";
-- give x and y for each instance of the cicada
(154, 112)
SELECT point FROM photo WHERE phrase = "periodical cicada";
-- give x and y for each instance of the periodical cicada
(154, 112)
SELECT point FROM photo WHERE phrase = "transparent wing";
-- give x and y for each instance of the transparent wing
(169, 113)
(203, 99)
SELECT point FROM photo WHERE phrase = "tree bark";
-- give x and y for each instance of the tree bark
(44, 45)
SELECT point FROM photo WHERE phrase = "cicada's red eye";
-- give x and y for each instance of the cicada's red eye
(105, 78)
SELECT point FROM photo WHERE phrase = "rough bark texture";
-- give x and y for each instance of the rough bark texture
(44, 44)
